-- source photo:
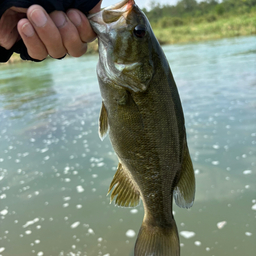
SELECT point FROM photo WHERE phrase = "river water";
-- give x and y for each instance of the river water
(55, 171)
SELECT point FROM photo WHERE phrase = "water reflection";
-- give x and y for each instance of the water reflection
(22, 92)
(55, 171)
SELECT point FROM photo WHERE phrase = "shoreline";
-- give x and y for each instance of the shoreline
(234, 26)
(15, 58)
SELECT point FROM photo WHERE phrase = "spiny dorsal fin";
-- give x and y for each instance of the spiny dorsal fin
(125, 190)
(184, 192)
(103, 122)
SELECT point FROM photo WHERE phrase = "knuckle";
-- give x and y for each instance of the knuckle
(78, 52)
(5, 43)
(37, 52)
(55, 39)
(57, 55)
(72, 40)
(91, 38)
(55, 47)
(5, 39)
(75, 46)
(37, 56)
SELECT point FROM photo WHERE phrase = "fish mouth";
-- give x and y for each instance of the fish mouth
(123, 4)
(111, 13)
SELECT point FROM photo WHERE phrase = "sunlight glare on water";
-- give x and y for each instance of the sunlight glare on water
(55, 171)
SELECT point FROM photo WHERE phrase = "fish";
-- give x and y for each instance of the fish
(142, 113)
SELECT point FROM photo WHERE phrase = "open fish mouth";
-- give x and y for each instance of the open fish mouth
(111, 13)
(124, 4)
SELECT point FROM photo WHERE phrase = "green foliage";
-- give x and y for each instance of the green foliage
(187, 5)
(187, 11)
(166, 22)
(220, 9)
(211, 18)
(244, 24)
(190, 20)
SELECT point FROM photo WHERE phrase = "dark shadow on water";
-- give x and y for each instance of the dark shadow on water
(21, 94)
(246, 52)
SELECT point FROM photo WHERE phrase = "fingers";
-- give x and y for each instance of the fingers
(8, 30)
(82, 25)
(40, 34)
(35, 47)
(55, 34)
(46, 31)
(73, 43)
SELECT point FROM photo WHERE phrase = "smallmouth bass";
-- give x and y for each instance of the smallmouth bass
(142, 112)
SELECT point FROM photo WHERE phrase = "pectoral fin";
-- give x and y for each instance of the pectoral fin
(184, 192)
(103, 122)
(125, 189)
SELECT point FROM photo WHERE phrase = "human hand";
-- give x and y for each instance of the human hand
(55, 34)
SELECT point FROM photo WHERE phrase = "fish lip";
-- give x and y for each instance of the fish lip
(120, 5)
(123, 6)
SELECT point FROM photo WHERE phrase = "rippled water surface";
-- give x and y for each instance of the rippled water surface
(55, 171)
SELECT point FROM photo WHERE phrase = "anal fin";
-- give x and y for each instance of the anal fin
(126, 193)
(184, 192)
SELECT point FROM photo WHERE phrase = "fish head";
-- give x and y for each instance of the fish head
(125, 45)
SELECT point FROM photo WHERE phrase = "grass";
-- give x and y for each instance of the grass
(221, 28)
(199, 29)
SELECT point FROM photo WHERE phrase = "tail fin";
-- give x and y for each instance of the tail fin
(157, 241)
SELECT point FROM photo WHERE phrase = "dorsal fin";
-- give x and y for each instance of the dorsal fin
(125, 189)
(184, 192)
(103, 122)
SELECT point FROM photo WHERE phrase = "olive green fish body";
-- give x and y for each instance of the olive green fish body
(144, 131)
(142, 112)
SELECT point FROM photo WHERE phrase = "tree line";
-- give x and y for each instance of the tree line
(192, 11)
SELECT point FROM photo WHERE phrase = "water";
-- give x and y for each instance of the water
(55, 171)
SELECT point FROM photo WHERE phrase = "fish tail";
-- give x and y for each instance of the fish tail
(157, 241)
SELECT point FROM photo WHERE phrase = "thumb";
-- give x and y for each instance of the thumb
(8, 28)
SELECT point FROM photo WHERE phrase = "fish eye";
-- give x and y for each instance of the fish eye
(139, 31)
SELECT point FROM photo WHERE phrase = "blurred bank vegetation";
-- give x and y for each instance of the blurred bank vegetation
(190, 20)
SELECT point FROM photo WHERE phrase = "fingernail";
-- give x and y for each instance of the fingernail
(28, 30)
(38, 17)
(59, 19)
(75, 17)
